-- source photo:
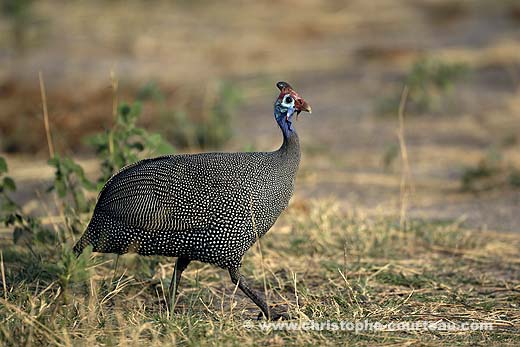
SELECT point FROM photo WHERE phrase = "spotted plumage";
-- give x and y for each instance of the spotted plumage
(209, 207)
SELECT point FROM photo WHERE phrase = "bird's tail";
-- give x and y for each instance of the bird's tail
(81, 244)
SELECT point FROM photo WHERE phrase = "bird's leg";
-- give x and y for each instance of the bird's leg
(180, 265)
(115, 269)
(236, 277)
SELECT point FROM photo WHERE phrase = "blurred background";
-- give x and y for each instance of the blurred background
(202, 74)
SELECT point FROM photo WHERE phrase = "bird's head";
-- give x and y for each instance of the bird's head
(287, 105)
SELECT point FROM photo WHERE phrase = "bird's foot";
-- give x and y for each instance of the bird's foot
(274, 315)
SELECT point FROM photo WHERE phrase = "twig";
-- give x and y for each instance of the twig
(46, 116)
(231, 306)
(405, 171)
(3, 274)
(210, 97)
(27, 318)
(253, 221)
(115, 86)
(297, 299)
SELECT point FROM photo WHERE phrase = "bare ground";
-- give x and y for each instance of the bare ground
(342, 60)
(338, 253)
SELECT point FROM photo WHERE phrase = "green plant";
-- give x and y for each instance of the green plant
(429, 82)
(7, 185)
(70, 182)
(19, 15)
(123, 144)
(11, 214)
(203, 121)
(514, 177)
(216, 127)
(362, 269)
(70, 269)
(390, 154)
(471, 176)
(126, 143)
(490, 172)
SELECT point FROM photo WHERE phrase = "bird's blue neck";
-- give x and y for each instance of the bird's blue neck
(284, 121)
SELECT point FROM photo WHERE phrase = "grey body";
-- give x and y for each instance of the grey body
(210, 207)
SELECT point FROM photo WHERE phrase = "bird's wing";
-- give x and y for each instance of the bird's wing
(158, 194)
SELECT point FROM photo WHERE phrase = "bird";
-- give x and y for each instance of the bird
(207, 207)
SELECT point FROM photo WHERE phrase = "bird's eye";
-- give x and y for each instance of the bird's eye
(288, 100)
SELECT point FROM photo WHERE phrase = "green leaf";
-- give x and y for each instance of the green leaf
(137, 131)
(54, 161)
(164, 148)
(124, 109)
(159, 145)
(9, 184)
(61, 187)
(69, 164)
(3, 165)
(136, 109)
(87, 184)
(137, 145)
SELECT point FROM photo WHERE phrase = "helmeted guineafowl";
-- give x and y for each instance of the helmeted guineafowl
(209, 207)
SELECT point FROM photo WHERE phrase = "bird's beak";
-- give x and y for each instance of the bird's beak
(306, 107)
(302, 105)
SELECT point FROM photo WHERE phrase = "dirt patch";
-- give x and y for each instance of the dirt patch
(342, 60)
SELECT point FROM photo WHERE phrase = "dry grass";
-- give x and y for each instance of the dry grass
(320, 263)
